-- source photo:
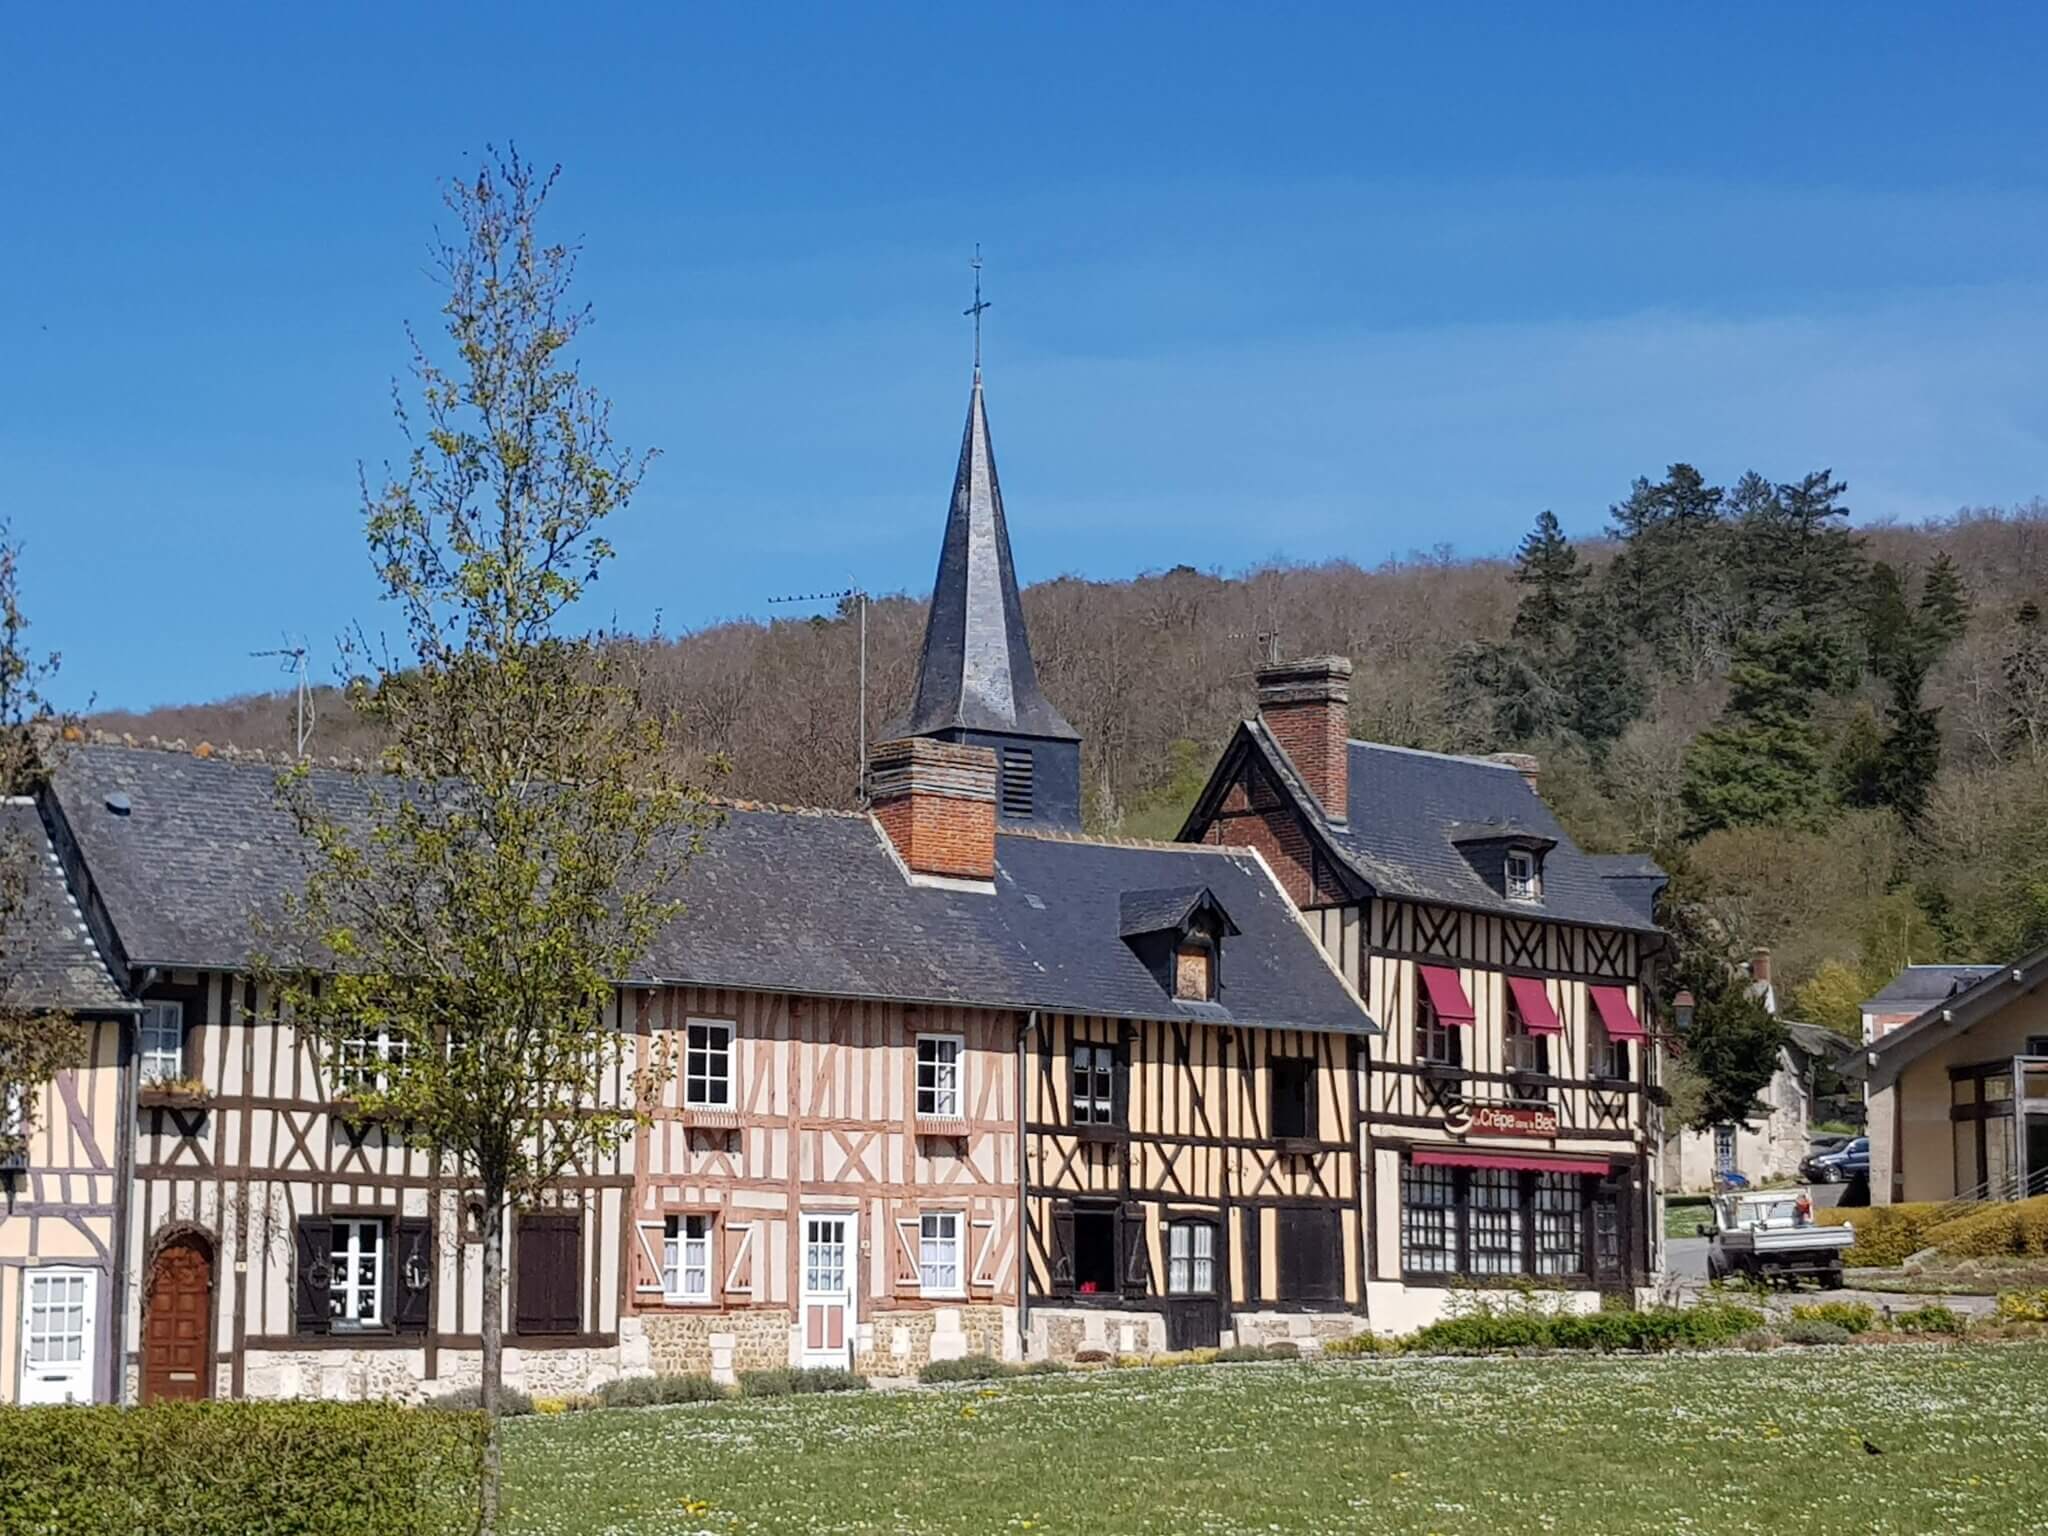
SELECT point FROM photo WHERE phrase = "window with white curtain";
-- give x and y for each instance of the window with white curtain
(939, 1253)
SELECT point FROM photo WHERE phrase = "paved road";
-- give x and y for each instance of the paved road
(1686, 1257)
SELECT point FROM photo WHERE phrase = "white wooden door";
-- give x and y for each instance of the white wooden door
(59, 1324)
(831, 1271)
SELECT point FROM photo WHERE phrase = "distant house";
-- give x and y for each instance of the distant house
(1771, 1146)
(1912, 992)
(62, 1186)
(1959, 1094)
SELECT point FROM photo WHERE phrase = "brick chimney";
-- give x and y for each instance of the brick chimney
(1528, 767)
(1307, 706)
(937, 802)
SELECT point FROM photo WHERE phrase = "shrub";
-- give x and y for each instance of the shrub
(1810, 1331)
(512, 1403)
(1362, 1344)
(2023, 1306)
(1044, 1368)
(798, 1382)
(1283, 1349)
(1886, 1235)
(658, 1391)
(2007, 1228)
(1934, 1318)
(966, 1368)
(311, 1469)
(1755, 1341)
(1093, 1357)
(1652, 1330)
(1849, 1316)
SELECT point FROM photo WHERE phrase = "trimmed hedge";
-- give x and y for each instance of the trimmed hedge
(1849, 1316)
(785, 1383)
(1933, 1318)
(659, 1391)
(2008, 1228)
(1886, 1235)
(1652, 1330)
(257, 1469)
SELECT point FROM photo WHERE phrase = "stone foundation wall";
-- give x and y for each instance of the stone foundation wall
(340, 1374)
(1060, 1333)
(902, 1343)
(717, 1344)
(1310, 1330)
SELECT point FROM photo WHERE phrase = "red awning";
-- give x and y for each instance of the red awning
(1615, 1013)
(1432, 1157)
(1446, 994)
(1534, 1005)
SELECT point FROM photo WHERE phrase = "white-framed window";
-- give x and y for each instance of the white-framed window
(707, 1065)
(1521, 875)
(686, 1259)
(938, 1076)
(1191, 1258)
(56, 1328)
(1436, 1043)
(1724, 1149)
(938, 1253)
(363, 1056)
(355, 1284)
(1094, 1084)
(163, 1042)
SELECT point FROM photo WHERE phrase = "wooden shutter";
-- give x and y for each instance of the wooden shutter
(314, 1272)
(410, 1281)
(1311, 1256)
(1062, 1277)
(1136, 1257)
(1120, 1087)
(546, 1295)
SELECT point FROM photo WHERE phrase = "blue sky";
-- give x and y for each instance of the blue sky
(1278, 281)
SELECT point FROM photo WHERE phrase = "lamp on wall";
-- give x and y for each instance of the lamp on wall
(1681, 1006)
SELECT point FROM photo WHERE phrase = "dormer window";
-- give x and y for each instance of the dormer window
(1523, 883)
(1194, 972)
(1179, 935)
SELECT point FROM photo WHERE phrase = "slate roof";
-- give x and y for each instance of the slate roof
(1635, 879)
(1918, 986)
(1143, 912)
(1945, 1017)
(52, 962)
(812, 902)
(975, 672)
(1406, 806)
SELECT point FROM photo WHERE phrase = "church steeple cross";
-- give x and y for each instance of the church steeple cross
(977, 306)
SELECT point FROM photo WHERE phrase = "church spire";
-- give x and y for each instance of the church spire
(976, 673)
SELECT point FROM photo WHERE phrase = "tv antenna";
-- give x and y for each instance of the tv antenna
(859, 595)
(292, 659)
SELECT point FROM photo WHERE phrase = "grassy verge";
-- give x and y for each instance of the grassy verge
(1726, 1443)
(1684, 1213)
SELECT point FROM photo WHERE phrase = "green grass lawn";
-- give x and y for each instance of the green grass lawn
(1684, 1213)
(1726, 1443)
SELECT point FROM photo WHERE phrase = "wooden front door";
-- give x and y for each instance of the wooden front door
(177, 1323)
(831, 1270)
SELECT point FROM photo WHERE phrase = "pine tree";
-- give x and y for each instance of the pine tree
(1550, 574)
(1910, 756)
(1668, 582)
(1858, 768)
(1604, 693)
(1764, 761)
(1890, 628)
(1798, 559)
(1944, 601)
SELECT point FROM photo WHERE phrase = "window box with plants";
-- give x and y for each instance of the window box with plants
(174, 1093)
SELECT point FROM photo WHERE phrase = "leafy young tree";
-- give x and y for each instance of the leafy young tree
(2026, 685)
(465, 919)
(36, 1042)
(1763, 761)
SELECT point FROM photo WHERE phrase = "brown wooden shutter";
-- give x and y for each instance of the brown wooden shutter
(314, 1271)
(1062, 1277)
(549, 1261)
(411, 1279)
(1120, 1087)
(1137, 1259)
(1311, 1254)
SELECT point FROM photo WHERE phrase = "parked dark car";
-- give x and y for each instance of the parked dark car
(1838, 1166)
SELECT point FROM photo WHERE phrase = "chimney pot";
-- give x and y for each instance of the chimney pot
(1760, 964)
(1306, 706)
(1528, 767)
(936, 800)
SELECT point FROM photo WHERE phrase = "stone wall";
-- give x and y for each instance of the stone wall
(902, 1343)
(1310, 1330)
(1060, 1333)
(717, 1344)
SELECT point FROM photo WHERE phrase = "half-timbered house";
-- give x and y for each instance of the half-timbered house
(63, 1163)
(1510, 1107)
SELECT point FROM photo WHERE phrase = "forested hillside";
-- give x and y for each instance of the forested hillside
(1836, 739)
